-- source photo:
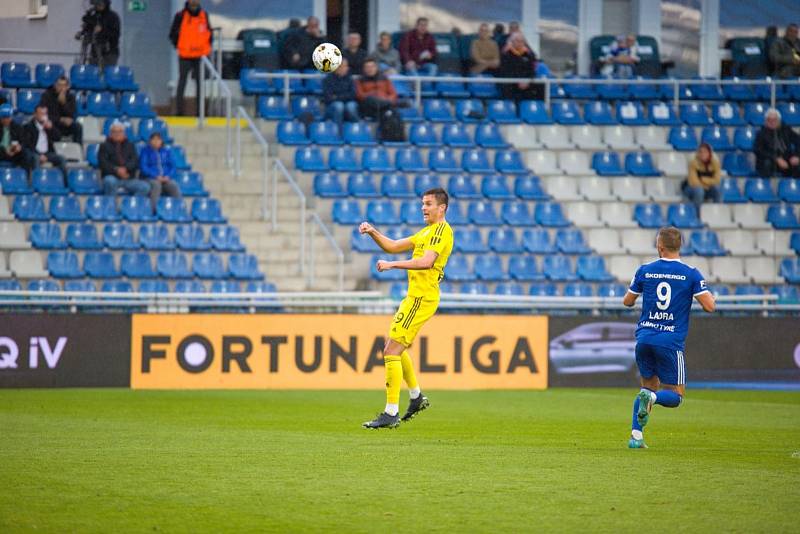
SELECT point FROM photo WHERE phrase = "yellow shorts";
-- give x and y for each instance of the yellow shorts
(411, 315)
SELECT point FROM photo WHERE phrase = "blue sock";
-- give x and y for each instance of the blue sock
(635, 424)
(668, 398)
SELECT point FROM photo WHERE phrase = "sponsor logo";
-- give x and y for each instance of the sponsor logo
(38, 349)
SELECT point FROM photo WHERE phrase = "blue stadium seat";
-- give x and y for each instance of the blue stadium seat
(744, 137)
(482, 89)
(502, 111)
(517, 214)
(191, 184)
(302, 105)
(489, 267)
(205, 210)
(325, 133)
(411, 213)
(312, 86)
(173, 265)
(641, 91)
(225, 286)
(46, 236)
(509, 289)
(362, 185)
(456, 216)
(426, 182)
(456, 135)
(790, 270)
(790, 113)
(694, 114)
(470, 110)
(261, 287)
(737, 164)
(578, 91)
(47, 74)
(190, 237)
(120, 78)
(117, 236)
(662, 114)
(29, 208)
(179, 156)
(706, 243)
(566, 113)
(495, 187)
(558, 268)
(475, 160)
(504, 241)
(730, 191)
(396, 186)
(148, 127)
(725, 114)
(612, 91)
(153, 286)
(129, 132)
(295, 84)
(43, 285)
(442, 160)
(782, 217)
(423, 134)
(136, 105)
(16, 75)
(48, 181)
(343, 159)
(64, 265)
(252, 84)
(137, 265)
(570, 241)
(534, 112)
(523, 267)
(717, 137)
(409, 159)
(607, 164)
(292, 132)
(437, 110)
(66, 209)
(794, 242)
(410, 114)
(208, 266)
(631, 114)
(382, 212)
(100, 265)
(640, 164)
(346, 212)
(86, 78)
(755, 112)
(14, 181)
(273, 108)
(155, 237)
(358, 134)
(309, 159)
(509, 162)
(683, 138)
(598, 113)
(10, 285)
(683, 216)
(488, 135)
(474, 288)
(328, 185)
(458, 269)
(116, 286)
(482, 213)
(83, 237)
(578, 290)
(543, 290)
(244, 267)
(708, 91)
(84, 182)
(80, 285)
(225, 238)
(363, 243)
(394, 275)
(448, 89)
(550, 214)
(91, 154)
(376, 159)
(101, 208)
(469, 240)
(189, 286)
(738, 92)
(611, 290)
(649, 216)
(786, 294)
(27, 100)
(760, 190)
(789, 190)
(102, 104)
(172, 210)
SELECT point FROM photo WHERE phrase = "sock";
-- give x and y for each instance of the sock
(392, 409)
(409, 376)
(394, 379)
(636, 428)
(668, 398)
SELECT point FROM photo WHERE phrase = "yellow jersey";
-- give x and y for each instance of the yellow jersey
(439, 238)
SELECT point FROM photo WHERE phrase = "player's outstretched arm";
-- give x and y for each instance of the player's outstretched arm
(629, 299)
(417, 264)
(392, 246)
(707, 301)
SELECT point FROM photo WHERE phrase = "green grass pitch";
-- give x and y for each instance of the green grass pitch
(120, 461)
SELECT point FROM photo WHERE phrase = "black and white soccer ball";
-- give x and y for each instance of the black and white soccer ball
(327, 57)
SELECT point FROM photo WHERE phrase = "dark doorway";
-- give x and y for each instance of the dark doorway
(345, 16)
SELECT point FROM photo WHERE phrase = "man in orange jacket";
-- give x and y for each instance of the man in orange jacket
(191, 36)
(374, 91)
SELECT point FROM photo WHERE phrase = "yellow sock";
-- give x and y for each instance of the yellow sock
(394, 378)
(408, 371)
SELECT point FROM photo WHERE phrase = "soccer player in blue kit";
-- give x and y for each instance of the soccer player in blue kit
(667, 286)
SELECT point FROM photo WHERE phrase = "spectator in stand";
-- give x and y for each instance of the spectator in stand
(157, 166)
(702, 183)
(38, 138)
(191, 36)
(300, 44)
(777, 148)
(101, 28)
(621, 57)
(418, 50)
(119, 164)
(484, 52)
(339, 92)
(374, 91)
(62, 110)
(785, 54)
(386, 55)
(519, 61)
(513, 27)
(353, 53)
(499, 33)
(11, 136)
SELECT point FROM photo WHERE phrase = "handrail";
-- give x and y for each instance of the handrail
(279, 167)
(220, 83)
(241, 113)
(334, 245)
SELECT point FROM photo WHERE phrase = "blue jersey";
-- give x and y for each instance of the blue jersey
(667, 287)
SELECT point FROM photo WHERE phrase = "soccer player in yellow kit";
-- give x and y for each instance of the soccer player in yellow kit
(432, 246)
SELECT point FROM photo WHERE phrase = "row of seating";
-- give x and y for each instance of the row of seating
(80, 181)
(144, 286)
(131, 208)
(98, 104)
(17, 75)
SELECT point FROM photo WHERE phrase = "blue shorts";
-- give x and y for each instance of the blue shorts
(666, 364)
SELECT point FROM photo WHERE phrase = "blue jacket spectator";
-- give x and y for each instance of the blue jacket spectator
(339, 92)
(157, 166)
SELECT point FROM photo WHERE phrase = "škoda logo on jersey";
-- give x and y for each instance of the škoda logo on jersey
(332, 351)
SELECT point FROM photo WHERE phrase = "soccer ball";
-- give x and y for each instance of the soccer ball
(327, 57)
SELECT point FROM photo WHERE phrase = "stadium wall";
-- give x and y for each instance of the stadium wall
(284, 351)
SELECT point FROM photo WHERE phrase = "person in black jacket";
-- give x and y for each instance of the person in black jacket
(11, 136)
(339, 92)
(38, 138)
(100, 31)
(353, 53)
(119, 164)
(62, 110)
(519, 61)
(777, 148)
(300, 44)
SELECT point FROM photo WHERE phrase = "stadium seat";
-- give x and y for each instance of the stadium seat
(737, 164)
(468, 241)
(66, 209)
(436, 110)
(137, 209)
(508, 289)
(578, 290)
(717, 216)
(482, 89)
(153, 286)
(325, 133)
(717, 137)
(309, 159)
(225, 286)
(172, 210)
(45, 236)
(394, 275)
(754, 113)
(118, 236)
(14, 181)
(523, 267)
(739, 243)
(91, 154)
(607, 164)
(362, 185)
(148, 127)
(649, 215)
(102, 104)
(346, 211)
(550, 214)
(455, 215)
(662, 114)
(101, 208)
(64, 265)
(554, 136)
(425, 182)
(631, 114)
(584, 214)
(683, 138)
(640, 164)
(190, 237)
(155, 237)
(27, 264)
(292, 132)
(571, 242)
(738, 92)
(47, 74)
(273, 108)
(343, 159)
(795, 242)
(495, 187)
(409, 159)
(529, 188)
(84, 182)
(376, 159)
(752, 216)
(489, 268)
(613, 291)
(396, 186)
(726, 114)
(683, 216)
(482, 213)
(694, 114)
(543, 162)
(462, 187)
(786, 294)
(48, 181)
(252, 84)
(652, 138)
(261, 287)
(612, 91)
(619, 137)
(27, 100)
(587, 137)
(363, 243)
(760, 190)
(762, 270)
(358, 134)
(225, 238)
(80, 285)
(137, 265)
(86, 78)
(173, 265)
(136, 105)
(558, 268)
(502, 111)
(382, 212)
(16, 75)
(790, 270)
(604, 241)
(595, 188)
(191, 184)
(455, 135)
(205, 210)
(790, 113)
(504, 241)
(100, 265)
(189, 286)
(244, 267)
(470, 110)
(731, 193)
(303, 105)
(789, 190)
(411, 214)
(566, 112)
(328, 185)
(706, 243)
(543, 290)
(782, 217)
(509, 162)
(443, 160)
(534, 112)
(208, 266)
(772, 243)
(83, 237)
(598, 113)
(423, 134)
(517, 214)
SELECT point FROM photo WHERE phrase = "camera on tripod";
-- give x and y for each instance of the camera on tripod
(92, 47)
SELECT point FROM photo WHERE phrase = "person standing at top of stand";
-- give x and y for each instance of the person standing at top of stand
(191, 36)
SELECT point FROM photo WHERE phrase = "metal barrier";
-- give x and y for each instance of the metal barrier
(220, 84)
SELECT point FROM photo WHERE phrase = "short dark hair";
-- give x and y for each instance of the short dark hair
(41, 106)
(422, 19)
(155, 134)
(441, 196)
(670, 238)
